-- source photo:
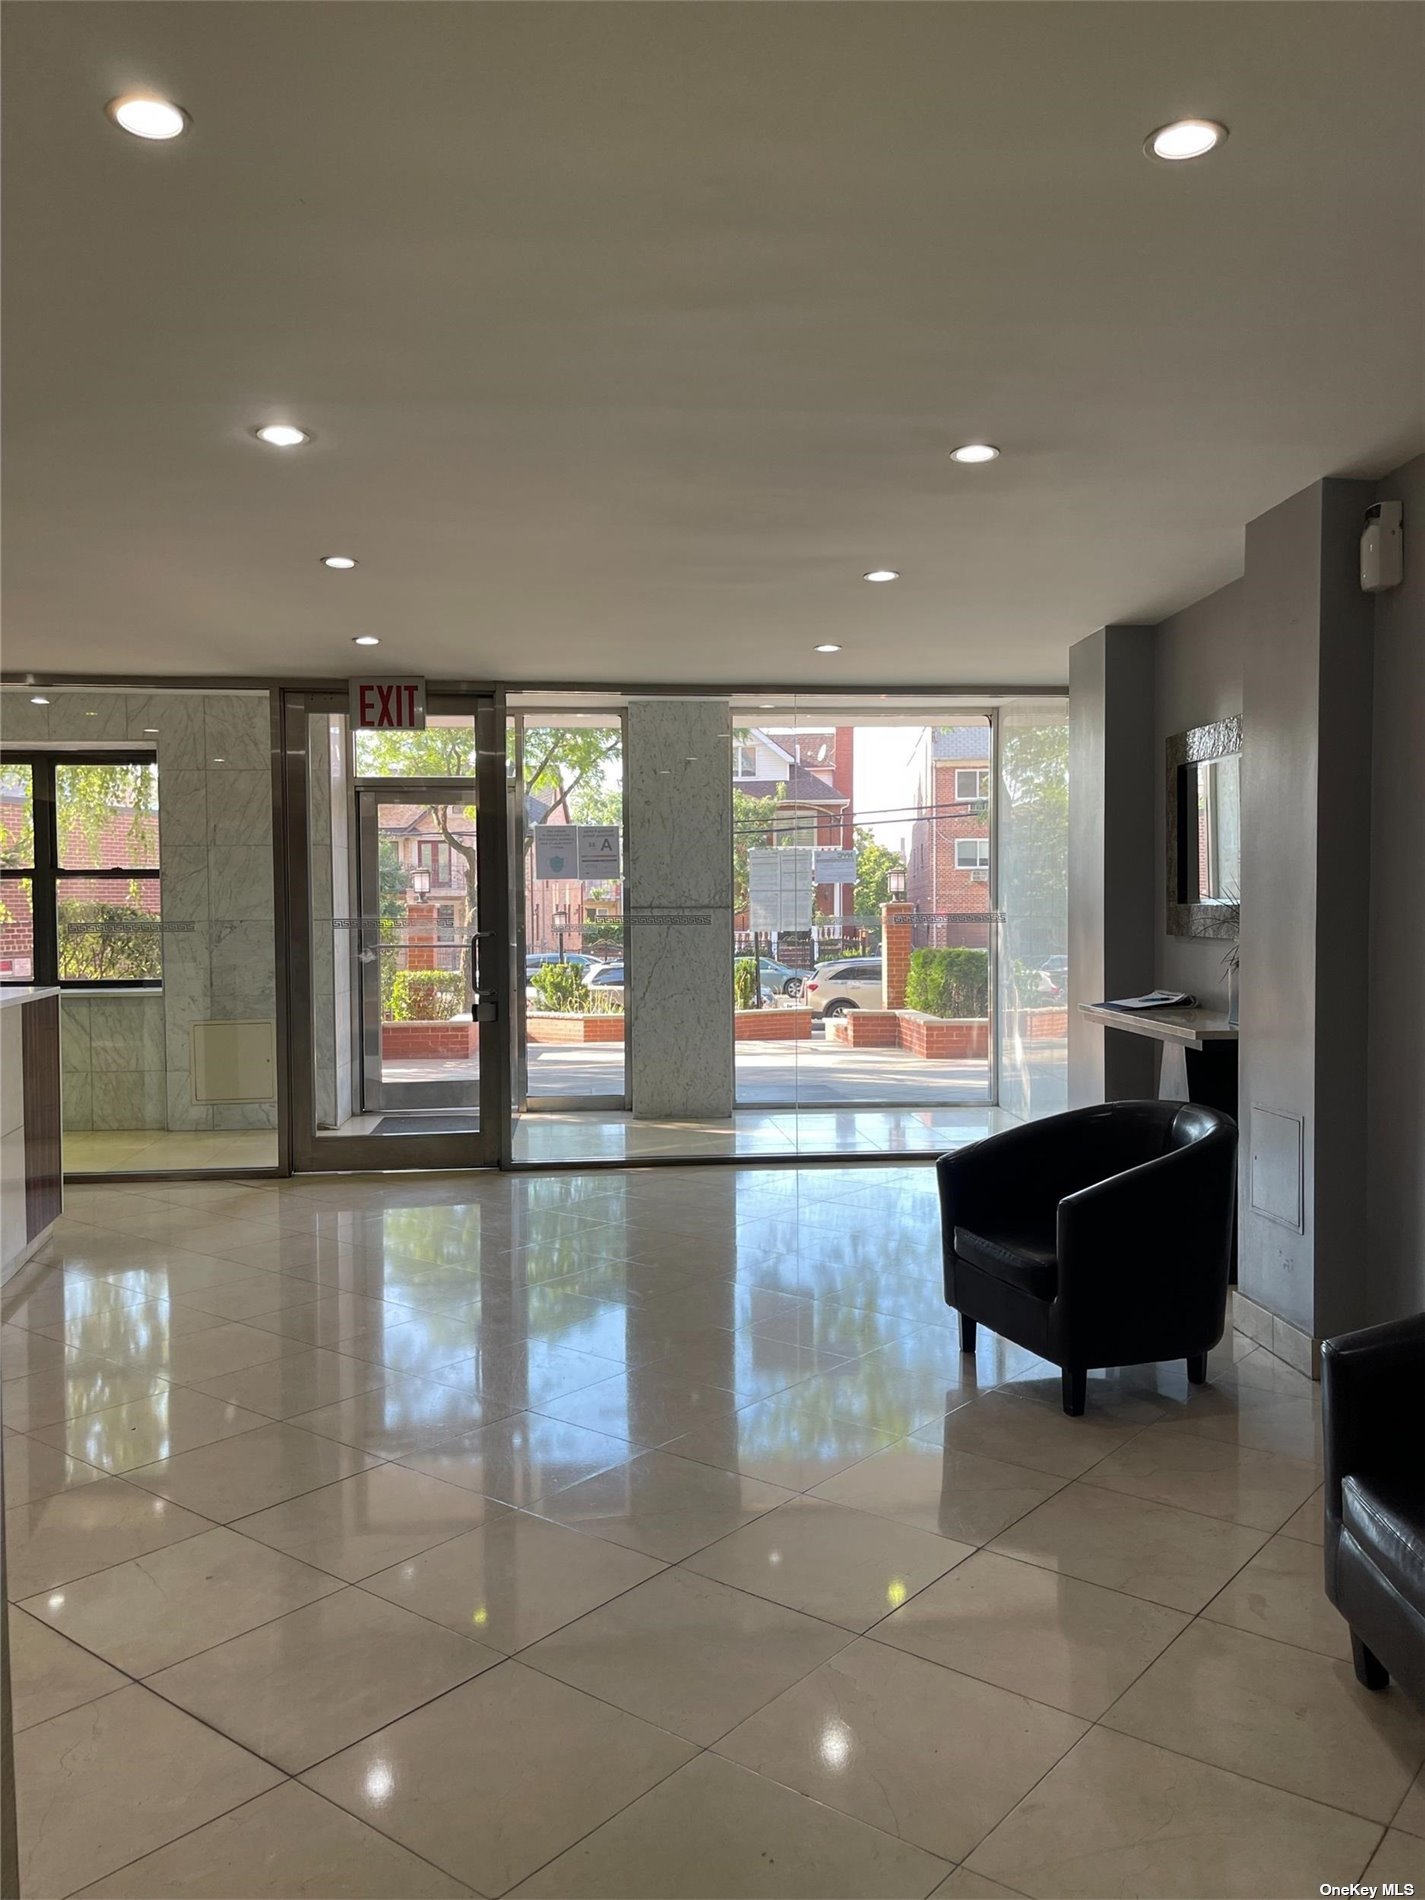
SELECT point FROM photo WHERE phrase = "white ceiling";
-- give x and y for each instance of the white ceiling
(632, 334)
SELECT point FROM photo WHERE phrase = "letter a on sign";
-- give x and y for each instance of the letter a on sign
(387, 705)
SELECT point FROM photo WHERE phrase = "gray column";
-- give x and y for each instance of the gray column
(1306, 813)
(678, 778)
(1112, 786)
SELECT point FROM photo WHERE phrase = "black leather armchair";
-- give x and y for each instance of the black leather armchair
(1373, 1423)
(1098, 1238)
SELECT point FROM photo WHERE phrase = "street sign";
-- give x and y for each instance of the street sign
(387, 705)
(590, 854)
(779, 887)
(835, 866)
(599, 854)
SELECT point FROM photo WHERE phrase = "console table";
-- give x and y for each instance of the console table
(31, 1159)
(1207, 1040)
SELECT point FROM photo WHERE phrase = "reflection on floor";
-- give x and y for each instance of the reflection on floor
(140, 1151)
(648, 1534)
(562, 1137)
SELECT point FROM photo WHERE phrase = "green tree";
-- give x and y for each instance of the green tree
(103, 812)
(874, 864)
(559, 762)
(753, 824)
(1034, 836)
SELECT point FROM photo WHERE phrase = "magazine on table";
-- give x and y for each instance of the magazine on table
(1154, 999)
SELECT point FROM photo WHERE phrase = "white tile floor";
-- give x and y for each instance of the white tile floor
(646, 1534)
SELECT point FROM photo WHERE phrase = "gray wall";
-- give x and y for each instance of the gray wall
(1330, 684)
(1110, 857)
(1198, 661)
(1306, 687)
(1396, 1064)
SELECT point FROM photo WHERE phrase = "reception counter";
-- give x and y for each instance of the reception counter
(31, 1159)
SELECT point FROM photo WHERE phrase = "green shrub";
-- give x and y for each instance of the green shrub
(426, 996)
(744, 983)
(560, 987)
(104, 942)
(948, 982)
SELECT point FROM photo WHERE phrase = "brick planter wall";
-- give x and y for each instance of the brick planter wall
(865, 1028)
(456, 1037)
(541, 1026)
(939, 1038)
(771, 1025)
(1040, 1025)
(934, 1037)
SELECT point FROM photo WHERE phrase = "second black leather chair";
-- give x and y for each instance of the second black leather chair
(1097, 1238)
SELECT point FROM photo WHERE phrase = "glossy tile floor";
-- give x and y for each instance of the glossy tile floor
(149, 1150)
(647, 1535)
(568, 1136)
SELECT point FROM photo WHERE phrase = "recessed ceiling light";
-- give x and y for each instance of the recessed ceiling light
(1185, 138)
(829, 646)
(882, 574)
(281, 435)
(38, 699)
(147, 117)
(367, 640)
(975, 452)
(338, 560)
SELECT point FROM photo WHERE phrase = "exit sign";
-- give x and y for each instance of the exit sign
(388, 705)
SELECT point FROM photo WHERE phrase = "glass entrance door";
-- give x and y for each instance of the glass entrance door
(419, 960)
(397, 856)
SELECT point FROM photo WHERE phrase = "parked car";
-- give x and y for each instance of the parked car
(779, 978)
(1053, 975)
(833, 988)
(605, 976)
(537, 959)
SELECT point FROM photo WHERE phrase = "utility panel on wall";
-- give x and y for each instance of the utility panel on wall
(234, 1062)
(1276, 1166)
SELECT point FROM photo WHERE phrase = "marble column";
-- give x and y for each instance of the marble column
(679, 996)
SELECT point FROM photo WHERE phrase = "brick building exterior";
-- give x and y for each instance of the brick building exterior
(811, 773)
(948, 876)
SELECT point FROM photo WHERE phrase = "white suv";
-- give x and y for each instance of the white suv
(852, 983)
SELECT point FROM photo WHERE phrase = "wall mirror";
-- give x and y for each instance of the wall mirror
(1204, 785)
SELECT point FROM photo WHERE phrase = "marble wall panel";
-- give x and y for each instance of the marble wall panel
(679, 992)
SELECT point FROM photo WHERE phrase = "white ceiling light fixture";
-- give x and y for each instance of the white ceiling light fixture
(827, 646)
(38, 699)
(146, 117)
(882, 574)
(971, 452)
(282, 435)
(339, 561)
(1184, 139)
(367, 640)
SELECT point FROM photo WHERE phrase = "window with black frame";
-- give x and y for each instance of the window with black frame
(80, 904)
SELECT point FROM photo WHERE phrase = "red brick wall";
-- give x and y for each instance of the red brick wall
(771, 1025)
(935, 883)
(430, 1040)
(895, 952)
(553, 1027)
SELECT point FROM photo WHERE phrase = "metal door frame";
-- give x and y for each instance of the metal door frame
(313, 1153)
